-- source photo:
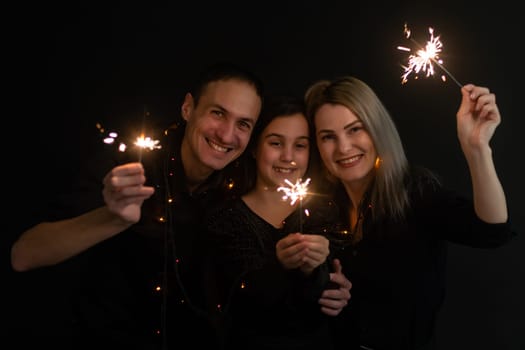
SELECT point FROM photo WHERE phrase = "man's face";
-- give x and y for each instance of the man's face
(219, 126)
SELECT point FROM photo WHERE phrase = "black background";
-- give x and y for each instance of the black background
(69, 66)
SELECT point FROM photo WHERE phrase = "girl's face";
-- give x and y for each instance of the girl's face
(282, 151)
(345, 146)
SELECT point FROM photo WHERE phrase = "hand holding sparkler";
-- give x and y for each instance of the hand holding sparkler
(124, 191)
(304, 252)
(316, 246)
(477, 118)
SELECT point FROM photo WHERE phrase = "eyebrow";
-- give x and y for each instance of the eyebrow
(346, 127)
(282, 136)
(244, 119)
(352, 124)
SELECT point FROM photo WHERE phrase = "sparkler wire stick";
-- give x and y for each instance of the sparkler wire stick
(440, 66)
(142, 133)
(296, 192)
(449, 74)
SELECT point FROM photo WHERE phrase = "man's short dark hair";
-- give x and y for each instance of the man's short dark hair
(225, 71)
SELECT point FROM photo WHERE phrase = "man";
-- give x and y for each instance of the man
(137, 270)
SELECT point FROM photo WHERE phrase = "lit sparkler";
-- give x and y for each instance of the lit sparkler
(146, 142)
(142, 142)
(424, 58)
(296, 192)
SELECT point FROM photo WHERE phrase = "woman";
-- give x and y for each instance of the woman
(398, 217)
(270, 254)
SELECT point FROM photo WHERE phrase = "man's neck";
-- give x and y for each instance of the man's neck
(196, 174)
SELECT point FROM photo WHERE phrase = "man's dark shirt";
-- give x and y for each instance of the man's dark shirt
(143, 288)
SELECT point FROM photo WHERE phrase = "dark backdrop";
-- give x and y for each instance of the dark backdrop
(75, 65)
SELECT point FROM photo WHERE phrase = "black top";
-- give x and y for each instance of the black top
(142, 289)
(269, 307)
(398, 268)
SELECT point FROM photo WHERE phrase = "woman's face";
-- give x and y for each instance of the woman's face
(282, 151)
(345, 146)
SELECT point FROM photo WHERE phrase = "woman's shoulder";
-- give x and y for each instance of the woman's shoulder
(420, 179)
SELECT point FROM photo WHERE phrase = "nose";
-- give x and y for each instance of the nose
(344, 145)
(225, 132)
(287, 154)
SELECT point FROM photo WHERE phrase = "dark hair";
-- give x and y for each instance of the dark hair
(245, 169)
(275, 106)
(225, 71)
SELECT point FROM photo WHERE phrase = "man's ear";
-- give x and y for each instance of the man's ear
(187, 106)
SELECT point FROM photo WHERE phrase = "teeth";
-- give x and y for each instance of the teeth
(217, 147)
(283, 170)
(349, 160)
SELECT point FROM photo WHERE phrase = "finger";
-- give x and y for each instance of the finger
(128, 169)
(290, 240)
(336, 265)
(330, 312)
(336, 294)
(332, 307)
(296, 251)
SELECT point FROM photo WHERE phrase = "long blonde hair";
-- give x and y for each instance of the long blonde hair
(387, 193)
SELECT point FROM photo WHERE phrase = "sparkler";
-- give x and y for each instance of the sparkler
(142, 142)
(296, 192)
(424, 57)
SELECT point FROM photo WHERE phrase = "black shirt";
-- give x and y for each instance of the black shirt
(143, 288)
(398, 268)
(268, 306)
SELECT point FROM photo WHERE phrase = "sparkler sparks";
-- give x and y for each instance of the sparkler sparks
(147, 142)
(142, 142)
(424, 58)
(295, 191)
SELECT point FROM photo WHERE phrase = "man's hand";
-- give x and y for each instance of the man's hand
(334, 299)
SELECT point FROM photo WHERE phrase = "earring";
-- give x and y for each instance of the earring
(378, 162)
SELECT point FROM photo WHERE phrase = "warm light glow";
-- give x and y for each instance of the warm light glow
(295, 191)
(143, 142)
(425, 57)
(147, 142)
(378, 162)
